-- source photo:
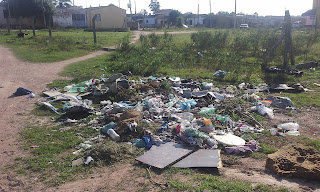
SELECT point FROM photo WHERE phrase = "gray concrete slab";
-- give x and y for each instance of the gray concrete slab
(165, 154)
(201, 158)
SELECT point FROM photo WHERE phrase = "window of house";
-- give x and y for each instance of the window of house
(78, 17)
(98, 17)
(147, 21)
(190, 22)
(5, 13)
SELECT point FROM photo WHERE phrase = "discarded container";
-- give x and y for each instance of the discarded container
(105, 128)
(207, 111)
(262, 110)
(293, 133)
(280, 102)
(147, 139)
(88, 160)
(113, 135)
(208, 127)
(140, 143)
(289, 126)
(186, 116)
(163, 127)
(186, 93)
(77, 90)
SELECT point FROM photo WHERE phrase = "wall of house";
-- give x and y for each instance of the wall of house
(111, 17)
(69, 17)
(316, 4)
(62, 18)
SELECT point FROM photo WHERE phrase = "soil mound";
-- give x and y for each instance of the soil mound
(297, 161)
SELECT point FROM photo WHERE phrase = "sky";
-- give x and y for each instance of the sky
(262, 7)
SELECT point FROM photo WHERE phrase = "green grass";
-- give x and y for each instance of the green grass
(200, 182)
(63, 45)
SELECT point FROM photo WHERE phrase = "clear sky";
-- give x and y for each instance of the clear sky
(262, 7)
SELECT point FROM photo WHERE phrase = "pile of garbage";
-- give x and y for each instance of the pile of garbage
(183, 111)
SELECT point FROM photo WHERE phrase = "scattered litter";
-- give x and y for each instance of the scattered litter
(229, 140)
(88, 160)
(34, 146)
(250, 147)
(21, 91)
(169, 122)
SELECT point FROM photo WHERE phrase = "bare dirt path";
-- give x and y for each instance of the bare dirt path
(14, 74)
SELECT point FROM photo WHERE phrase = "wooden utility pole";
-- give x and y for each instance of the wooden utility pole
(44, 15)
(235, 14)
(288, 46)
(8, 18)
(94, 28)
(135, 7)
(210, 18)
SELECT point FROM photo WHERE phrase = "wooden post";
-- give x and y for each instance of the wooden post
(94, 28)
(288, 46)
(8, 18)
(33, 26)
(288, 49)
(49, 27)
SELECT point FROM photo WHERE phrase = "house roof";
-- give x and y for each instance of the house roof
(310, 12)
(163, 12)
(93, 8)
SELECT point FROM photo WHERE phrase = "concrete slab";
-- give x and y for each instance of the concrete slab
(165, 154)
(201, 158)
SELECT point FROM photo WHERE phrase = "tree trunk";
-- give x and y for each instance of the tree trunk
(20, 27)
(49, 27)
(33, 25)
(8, 18)
(94, 28)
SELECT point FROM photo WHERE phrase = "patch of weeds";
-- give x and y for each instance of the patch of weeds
(42, 110)
(268, 149)
(315, 143)
(52, 160)
(108, 152)
(61, 83)
(258, 155)
(166, 85)
(186, 171)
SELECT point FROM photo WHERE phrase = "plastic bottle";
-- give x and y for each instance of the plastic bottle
(113, 135)
(77, 90)
(105, 128)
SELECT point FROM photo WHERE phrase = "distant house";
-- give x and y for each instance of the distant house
(162, 17)
(150, 21)
(193, 20)
(109, 17)
(311, 16)
(70, 17)
(4, 16)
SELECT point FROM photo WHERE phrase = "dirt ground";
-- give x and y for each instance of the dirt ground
(34, 76)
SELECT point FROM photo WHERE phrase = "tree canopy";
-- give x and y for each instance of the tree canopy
(62, 3)
(154, 5)
(28, 8)
(173, 15)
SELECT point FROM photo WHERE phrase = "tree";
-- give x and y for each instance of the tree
(61, 3)
(173, 15)
(154, 5)
(35, 9)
